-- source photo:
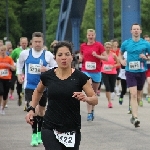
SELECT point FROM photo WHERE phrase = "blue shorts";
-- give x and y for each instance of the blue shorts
(96, 77)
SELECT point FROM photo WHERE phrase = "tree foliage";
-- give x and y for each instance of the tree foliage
(52, 13)
(25, 17)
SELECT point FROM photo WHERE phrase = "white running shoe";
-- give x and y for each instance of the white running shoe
(117, 91)
(112, 96)
(2, 112)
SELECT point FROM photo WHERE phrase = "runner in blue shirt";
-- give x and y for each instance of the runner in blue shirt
(136, 48)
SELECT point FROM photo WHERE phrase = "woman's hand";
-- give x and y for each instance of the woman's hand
(29, 117)
(80, 96)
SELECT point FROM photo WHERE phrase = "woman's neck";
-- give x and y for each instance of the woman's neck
(108, 52)
(63, 73)
(90, 43)
(3, 56)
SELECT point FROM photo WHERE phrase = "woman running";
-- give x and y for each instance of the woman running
(6, 66)
(109, 72)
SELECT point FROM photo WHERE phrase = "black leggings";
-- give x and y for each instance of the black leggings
(124, 88)
(19, 88)
(109, 81)
(51, 143)
(13, 80)
(4, 88)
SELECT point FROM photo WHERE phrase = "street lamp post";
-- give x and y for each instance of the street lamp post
(7, 21)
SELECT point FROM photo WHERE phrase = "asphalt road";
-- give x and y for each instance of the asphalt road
(111, 128)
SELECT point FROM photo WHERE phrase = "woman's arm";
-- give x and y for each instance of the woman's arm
(37, 94)
(89, 96)
(103, 56)
(117, 64)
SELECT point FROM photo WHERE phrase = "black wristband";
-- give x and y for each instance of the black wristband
(31, 108)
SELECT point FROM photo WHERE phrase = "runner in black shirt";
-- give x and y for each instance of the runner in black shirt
(62, 120)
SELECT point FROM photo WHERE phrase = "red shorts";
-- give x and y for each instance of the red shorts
(148, 73)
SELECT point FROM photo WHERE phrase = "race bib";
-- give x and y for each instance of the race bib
(4, 72)
(67, 138)
(107, 68)
(34, 69)
(90, 65)
(134, 65)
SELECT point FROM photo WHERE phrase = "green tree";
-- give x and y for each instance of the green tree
(14, 24)
(88, 21)
(52, 14)
(145, 5)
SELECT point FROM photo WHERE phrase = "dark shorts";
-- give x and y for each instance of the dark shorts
(4, 88)
(136, 79)
(28, 97)
(51, 143)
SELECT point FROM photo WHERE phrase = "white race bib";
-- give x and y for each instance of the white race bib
(68, 138)
(34, 69)
(90, 65)
(4, 72)
(107, 68)
(134, 65)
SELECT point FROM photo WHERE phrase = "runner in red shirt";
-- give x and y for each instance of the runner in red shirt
(91, 54)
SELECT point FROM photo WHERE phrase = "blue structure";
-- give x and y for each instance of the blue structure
(130, 12)
(71, 13)
(70, 18)
(98, 20)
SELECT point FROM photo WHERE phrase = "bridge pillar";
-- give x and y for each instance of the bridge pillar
(75, 32)
(130, 14)
(98, 20)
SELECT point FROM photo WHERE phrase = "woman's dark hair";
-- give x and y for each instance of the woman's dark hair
(60, 44)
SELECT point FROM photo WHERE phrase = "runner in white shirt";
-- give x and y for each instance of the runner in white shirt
(35, 61)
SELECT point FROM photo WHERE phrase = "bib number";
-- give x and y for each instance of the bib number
(107, 67)
(34, 69)
(4, 72)
(134, 65)
(90, 65)
(67, 138)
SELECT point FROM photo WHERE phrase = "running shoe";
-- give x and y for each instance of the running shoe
(2, 112)
(148, 99)
(39, 139)
(34, 141)
(20, 100)
(117, 91)
(112, 96)
(141, 103)
(11, 97)
(98, 92)
(110, 105)
(120, 101)
(129, 111)
(25, 108)
(6, 106)
(135, 121)
(90, 117)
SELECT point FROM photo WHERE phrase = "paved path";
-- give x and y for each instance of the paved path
(111, 128)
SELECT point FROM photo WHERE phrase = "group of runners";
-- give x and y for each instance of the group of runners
(51, 77)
